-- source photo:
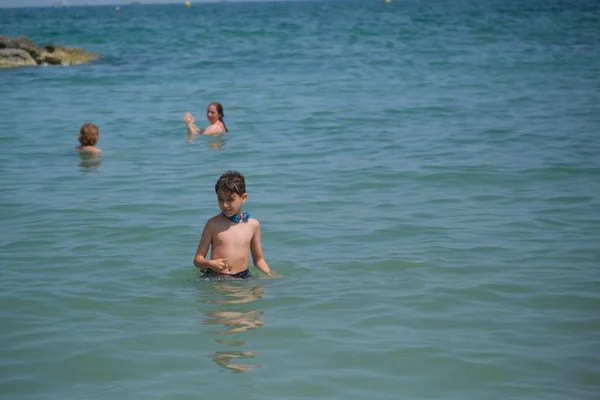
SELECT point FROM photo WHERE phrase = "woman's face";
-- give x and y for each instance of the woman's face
(212, 114)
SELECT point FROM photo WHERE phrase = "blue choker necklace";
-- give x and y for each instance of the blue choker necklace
(236, 218)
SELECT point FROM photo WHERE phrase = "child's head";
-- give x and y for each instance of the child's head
(231, 182)
(88, 135)
(231, 192)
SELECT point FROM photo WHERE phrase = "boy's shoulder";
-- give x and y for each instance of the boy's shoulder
(218, 220)
(253, 222)
(215, 218)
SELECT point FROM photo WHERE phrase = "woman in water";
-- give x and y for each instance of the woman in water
(215, 115)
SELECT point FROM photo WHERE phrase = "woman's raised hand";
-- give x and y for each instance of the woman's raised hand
(188, 118)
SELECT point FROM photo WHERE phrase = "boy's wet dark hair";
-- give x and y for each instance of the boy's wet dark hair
(231, 182)
(88, 135)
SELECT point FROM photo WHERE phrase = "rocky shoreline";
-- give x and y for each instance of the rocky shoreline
(22, 52)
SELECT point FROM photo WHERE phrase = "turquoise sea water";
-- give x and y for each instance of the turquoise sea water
(427, 177)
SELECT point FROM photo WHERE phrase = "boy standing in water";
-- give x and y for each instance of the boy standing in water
(88, 138)
(232, 234)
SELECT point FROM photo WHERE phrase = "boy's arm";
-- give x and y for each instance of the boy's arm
(257, 252)
(200, 260)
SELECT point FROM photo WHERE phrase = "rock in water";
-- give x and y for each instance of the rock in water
(15, 58)
(12, 53)
(53, 54)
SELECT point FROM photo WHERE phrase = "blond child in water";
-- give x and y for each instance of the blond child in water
(88, 138)
(232, 234)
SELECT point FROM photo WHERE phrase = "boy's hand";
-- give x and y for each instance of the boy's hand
(219, 263)
(187, 117)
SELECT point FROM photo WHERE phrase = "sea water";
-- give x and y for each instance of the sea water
(426, 175)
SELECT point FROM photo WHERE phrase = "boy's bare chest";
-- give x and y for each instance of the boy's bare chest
(240, 234)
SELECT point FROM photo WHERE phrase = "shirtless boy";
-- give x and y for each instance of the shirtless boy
(232, 234)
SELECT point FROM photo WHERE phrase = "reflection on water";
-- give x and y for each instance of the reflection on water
(216, 144)
(89, 162)
(233, 313)
(223, 358)
(235, 321)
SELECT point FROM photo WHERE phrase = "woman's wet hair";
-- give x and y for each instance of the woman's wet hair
(88, 134)
(231, 182)
(219, 108)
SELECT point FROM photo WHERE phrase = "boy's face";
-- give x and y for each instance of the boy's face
(231, 203)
